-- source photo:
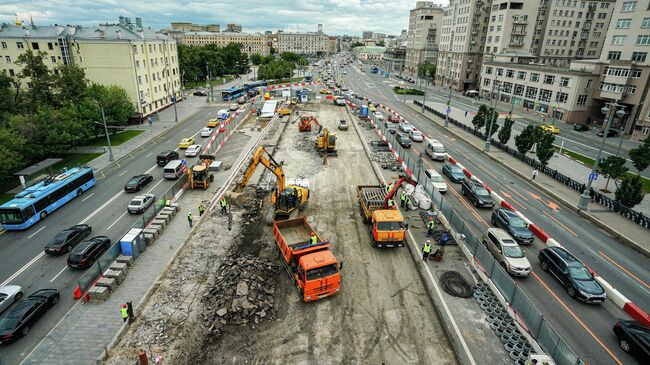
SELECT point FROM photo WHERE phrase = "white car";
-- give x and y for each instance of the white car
(206, 132)
(9, 295)
(416, 136)
(436, 180)
(405, 127)
(233, 107)
(506, 250)
(140, 203)
(193, 150)
(379, 116)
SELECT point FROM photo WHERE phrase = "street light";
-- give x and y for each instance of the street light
(494, 114)
(620, 113)
(174, 101)
(108, 138)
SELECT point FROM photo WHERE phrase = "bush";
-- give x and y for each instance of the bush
(401, 91)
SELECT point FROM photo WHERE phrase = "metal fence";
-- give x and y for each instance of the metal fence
(540, 329)
(596, 197)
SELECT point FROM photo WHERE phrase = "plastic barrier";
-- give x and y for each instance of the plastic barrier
(538, 232)
(505, 204)
(637, 313)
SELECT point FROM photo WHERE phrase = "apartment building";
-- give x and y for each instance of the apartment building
(463, 33)
(233, 28)
(304, 43)
(126, 54)
(251, 42)
(394, 58)
(425, 22)
(191, 27)
(511, 28)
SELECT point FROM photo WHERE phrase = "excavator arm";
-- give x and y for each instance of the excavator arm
(396, 186)
(263, 157)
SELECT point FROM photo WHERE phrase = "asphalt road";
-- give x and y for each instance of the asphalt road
(104, 208)
(587, 328)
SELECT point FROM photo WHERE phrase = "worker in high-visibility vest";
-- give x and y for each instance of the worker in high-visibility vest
(426, 250)
(402, 199)
(431, 224)
(224, 205)
(390, 203)
(125, 313)
(313, 239)
(389, 187)
(408, 202)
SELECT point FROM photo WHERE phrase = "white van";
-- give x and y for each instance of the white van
(223, 112)
(173, 170)
(436, 150)
(436, 180)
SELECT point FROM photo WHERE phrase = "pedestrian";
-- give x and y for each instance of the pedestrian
(125, 313)
(201, 210)
(430, 226)
(426, 250)
(224, 205)
(535, 172)
(408, 202)
(312, 238)
(443, 239)
(465, 112)
(189, 218)
(168, 203)
(389, 187)
(402, 199)
(390, 203)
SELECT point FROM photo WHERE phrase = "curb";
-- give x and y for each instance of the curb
(626, 240)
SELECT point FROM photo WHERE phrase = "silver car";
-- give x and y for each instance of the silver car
(140, 203)
(506, 251)
(9, 295)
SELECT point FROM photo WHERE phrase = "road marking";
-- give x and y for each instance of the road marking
(563, 226)
(123, 172)
(148, 155)
(577, 319)
(25, 267)
(102, 207)
(109, 227)
(3, 231)
(153, 187)
(518, 194)
(624, 269)
(535, 196)
(60, 272)
(518, 203)
(34, 234)
(151, 169)
(88, 197)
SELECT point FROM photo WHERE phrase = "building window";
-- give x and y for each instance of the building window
(521, 75)
(545, 95)
(629, 6)
(499, 71)
(618, 40)
(11, 72)
(519, 90)
(4, 45)
(549, 79)
(50, 46)
(8, 59)
(510, 73)
(564, 81)
(624, 23)
(614, 55)
(534, 77)
(639, 56)
(531, 92)
(35, 46)
(645, 24)
(582, 99)
(589, 84)
(643, 40)
(53, 59)
(20, 45)
(561, 98)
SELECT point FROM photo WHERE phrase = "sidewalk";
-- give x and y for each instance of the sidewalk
(88, 328)
(614, 223)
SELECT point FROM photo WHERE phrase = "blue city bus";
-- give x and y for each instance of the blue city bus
(255, 84)
(37, 201)
(233, 93)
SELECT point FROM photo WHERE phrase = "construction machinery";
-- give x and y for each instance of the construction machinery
(305, 123)
(286, 198)
(326, 143)
(387, 228)
(312, 267)
(199, 176)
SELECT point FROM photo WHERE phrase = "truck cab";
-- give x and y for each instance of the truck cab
(388, 229)
(318, 275)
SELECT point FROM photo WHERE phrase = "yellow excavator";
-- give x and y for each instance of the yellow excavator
(326, 143)
(285, 198)
(199, 175)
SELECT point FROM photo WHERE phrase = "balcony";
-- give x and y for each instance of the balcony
(586, 26)
(519, 21)
(516, 43)
(517, 31)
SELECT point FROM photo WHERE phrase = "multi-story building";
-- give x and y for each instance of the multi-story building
(233, 28)
(304, 43)
(251, 42)
(138, 59)
(191, 27)
(371, 54)
(367, 35)
(425, 22)
(333, 45)
(394, 58)
(460, 54)
(511, 28)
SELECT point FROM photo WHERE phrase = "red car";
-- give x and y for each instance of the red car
(393, 118)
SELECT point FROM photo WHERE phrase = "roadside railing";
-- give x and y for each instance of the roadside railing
(534, 322)
(596, 197)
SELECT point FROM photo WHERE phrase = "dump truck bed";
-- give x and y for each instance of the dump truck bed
(371, 198)
(294, 231)
(292, 237)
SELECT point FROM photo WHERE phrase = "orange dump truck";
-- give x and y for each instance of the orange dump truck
(387, 227)
(312, 267)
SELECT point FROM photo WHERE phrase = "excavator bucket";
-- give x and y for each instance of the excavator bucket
(234, 198)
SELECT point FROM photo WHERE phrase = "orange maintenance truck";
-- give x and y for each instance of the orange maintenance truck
(311, 266)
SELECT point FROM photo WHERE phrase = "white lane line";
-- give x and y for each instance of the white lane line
(151, 169)
(102, 207)
(109, 227)
(123, 172)
(153, 187)
(86, 198)
(34, 234)
(148, 155)
(60, 272)
(27, 265)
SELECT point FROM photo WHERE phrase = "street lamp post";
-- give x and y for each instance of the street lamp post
(424, 96)
(494, 114)
(174, 100)
(448, 103)
(108, 138)
(613, 109)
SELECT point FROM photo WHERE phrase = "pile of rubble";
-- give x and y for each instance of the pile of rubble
(306, 141)
(242, 293)
(386, 160)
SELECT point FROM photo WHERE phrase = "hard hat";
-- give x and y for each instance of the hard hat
(428, 241)
(312, 234)
(124, 305)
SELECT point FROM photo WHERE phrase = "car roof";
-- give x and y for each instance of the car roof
(508, 212)
(83, 246)
(565, 255)
(503, 236)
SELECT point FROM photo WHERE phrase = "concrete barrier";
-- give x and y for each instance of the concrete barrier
(507, 205)
(637, 313)
(551, 242)
(612, 294)
(538, 232)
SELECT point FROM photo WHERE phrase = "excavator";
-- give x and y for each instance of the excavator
(326, 143)
(286, 198)
(305, 123)
(199, 174)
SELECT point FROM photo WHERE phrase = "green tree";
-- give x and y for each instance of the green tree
(256, 59)
(41, 82)
(71, 83)
(491, 118)
(11, 159)
(506, 130)
(640, 155)
(612, 167)
(356, 44)
(630, 193)
(8, 97)
(480, 118)
(526, 139)
(115, 101)
(544, 147)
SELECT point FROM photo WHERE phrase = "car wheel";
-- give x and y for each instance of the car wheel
(18, 296)
(571, 292)
(24, 331)
(462, 191)
(494, 223)
(476, 203)
(55, 299)
(625, 346)
(80, 192)
(544, 265)
(43, 214)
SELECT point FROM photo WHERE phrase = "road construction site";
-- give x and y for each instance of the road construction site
(227, 300)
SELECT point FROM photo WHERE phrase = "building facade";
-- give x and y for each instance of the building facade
(394, 58)
(141, 61)
(191, 27)
(233, 28)
(425, 22)
(369, 54)
(309, 44)
(251, 43)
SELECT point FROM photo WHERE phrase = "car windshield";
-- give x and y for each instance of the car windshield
(481, 191)
(579, 273)
(514, 252)
(437, 179)
(8, 323)
(442, 150)
(322, 272)
(133, 181)
(517, 223)
(390, 226)
(58, 239)
(416, 133)
(136, 202)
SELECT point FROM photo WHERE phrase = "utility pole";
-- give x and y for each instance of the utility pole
(494, 114)
(448, 103)
(613, 109)
(424, 97)
(108, 138)
(175, 111)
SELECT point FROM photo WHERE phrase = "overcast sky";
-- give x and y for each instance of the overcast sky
(337, 16)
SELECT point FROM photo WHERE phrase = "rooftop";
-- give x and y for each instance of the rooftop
(101, 31)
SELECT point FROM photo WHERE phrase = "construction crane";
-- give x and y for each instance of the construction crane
(285, 198)
(199, 176)
(326, 143)
(305, 123)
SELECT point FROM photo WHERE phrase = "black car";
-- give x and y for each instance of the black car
(65, 240)
(137, 182)
(513, 224)
(390, 127)
(164, 157)
(581, 127)
(634, 338)
(403, 140)
(610, 133)
(477, 193)
(453, 172)
(572, 274)
(200, 93)
(19, 319)
(88, 252)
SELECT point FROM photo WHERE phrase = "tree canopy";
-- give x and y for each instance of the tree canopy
(197, 62)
